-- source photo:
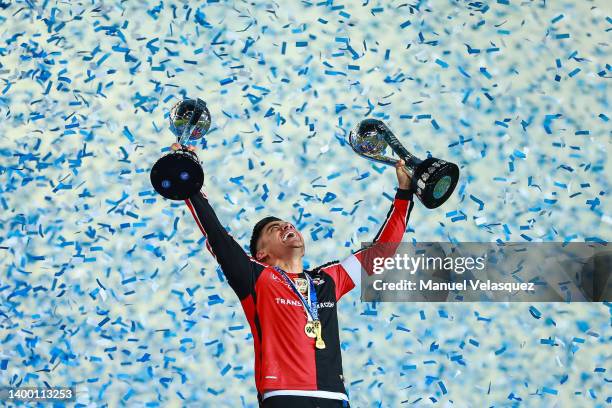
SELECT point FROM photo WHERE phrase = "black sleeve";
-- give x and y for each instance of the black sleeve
(239, 269)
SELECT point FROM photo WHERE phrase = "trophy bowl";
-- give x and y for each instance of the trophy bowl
(181, 114)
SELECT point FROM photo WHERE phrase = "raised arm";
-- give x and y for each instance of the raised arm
(390, 234)
(239, 269)
(347, 274)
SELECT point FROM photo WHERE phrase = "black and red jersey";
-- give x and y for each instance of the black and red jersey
(286, 360)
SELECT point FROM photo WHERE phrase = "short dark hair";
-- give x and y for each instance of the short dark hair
(257, 229)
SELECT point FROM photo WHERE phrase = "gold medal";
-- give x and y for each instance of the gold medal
(310, 330)
(320, 344)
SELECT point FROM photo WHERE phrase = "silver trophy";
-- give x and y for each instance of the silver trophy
(178, 175)
(433, 180)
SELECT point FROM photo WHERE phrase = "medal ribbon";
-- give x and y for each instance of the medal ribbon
(311, 309)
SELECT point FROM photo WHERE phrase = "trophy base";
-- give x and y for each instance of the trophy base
(178, 175)
(434, 181)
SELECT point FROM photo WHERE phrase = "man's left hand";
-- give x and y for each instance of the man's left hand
(403, 178)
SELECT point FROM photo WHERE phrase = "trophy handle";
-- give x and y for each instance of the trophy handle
(411, 161)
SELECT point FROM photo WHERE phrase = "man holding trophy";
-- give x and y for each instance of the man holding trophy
(292, 312)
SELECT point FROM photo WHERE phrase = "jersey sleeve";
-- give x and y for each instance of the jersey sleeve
(240, 270)
(342, 281)
(390, 234)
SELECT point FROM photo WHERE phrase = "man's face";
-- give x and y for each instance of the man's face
(279, 239)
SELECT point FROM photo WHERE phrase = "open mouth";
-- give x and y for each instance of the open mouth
(288, 235)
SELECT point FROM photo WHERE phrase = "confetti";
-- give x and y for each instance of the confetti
(108, 286)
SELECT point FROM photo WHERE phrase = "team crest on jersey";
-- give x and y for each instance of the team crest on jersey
(318, 281)
(302, 285)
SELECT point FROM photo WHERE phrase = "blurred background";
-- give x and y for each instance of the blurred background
(106, 286)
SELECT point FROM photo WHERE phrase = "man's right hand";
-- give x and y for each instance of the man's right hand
(176, 146)
(403, 177)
